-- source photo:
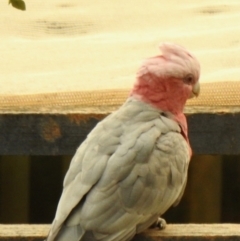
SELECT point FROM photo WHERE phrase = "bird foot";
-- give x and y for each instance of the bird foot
(160, 224)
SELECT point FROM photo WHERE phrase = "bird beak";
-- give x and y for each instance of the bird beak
(195, 90)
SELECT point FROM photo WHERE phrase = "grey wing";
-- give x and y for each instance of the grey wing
(139, 184)
(163, 181)
(89, 164)
(181, 194)
(173, 160)
(86, 168)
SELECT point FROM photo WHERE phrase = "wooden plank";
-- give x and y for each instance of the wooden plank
(43, 134)
(204, 189)
(61, 134)
(215, 134)
(231, 189)
(14, 189)
(45, 188)
(173, 232)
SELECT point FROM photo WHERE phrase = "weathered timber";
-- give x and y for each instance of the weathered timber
(174, 232)
(44, 134)
(202, 199)
(61, 134)
(230, 189)
(14, 189)
(45, 179)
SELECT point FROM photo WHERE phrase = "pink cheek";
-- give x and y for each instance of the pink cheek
(188, 91)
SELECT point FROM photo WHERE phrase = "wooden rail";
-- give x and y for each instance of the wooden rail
(61, 134)
(174, 232)
(56, 123)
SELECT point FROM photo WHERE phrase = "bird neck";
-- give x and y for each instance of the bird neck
(165, 97)
(168, 96)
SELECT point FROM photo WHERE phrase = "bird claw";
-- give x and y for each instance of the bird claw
(160, 224)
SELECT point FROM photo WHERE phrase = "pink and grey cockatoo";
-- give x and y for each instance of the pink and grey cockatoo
(133, 165)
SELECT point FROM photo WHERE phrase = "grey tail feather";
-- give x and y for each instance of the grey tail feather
(88, 236)
(67, 233)
(121, 236)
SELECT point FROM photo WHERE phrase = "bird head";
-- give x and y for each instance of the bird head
(169, 79)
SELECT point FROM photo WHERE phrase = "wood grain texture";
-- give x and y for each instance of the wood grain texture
(204, 189)
(14, 186)
(196, 232)
(230, 189)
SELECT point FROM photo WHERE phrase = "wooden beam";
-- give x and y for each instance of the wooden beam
(14, 189)
(45, 187)
(203, 190)
(230, 189)
(56, 123)
(174, 232)
(61, 134)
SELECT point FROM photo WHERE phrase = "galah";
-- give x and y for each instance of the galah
(133, 165)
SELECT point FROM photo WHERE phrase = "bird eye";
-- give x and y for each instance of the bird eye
(188, 79)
